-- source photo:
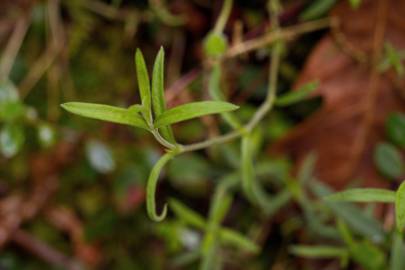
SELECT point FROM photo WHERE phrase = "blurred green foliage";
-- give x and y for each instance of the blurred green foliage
(104, 178)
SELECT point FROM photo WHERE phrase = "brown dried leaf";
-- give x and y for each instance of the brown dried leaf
(356, 97)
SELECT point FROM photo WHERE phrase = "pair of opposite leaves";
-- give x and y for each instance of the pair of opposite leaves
(151, 113)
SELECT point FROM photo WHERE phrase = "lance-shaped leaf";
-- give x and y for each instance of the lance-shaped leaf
(247, 169)
(143, 84)
(151, 189)
(186, 214)
(357, 220)
(221, 201)
(233, 238)
(106, 113)
(158, 97)
(318, 251)
(227, 236)
(192, 110)
(363, 195)
(400, 207)
(296, 96)
(397, 260)
(388, 160)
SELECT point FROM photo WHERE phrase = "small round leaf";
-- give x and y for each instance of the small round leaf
(215, 44)
(395, 128)
(388, 160)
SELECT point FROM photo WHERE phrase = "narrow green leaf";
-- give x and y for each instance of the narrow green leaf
(151, 189)
(364, 253)
(220, 205)
(193, 110)
(395, 128)
(352, 215)
(186, 214)
(276, 202)
(318, 251)
(397, 260)
(227, 236)
(158, 97)
(297, 95)
(400, 207)
(105, 113)
(143, 84)
(221, 201)
(388, 160)
(233, 238)
(247, 168)
(368, 255)
(363, 195)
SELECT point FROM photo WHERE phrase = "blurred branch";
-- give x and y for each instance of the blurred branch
(285, 34)
(67, 221)
(57, 40)
(158, 6)
(180, 84)
(55, 47)
(38, 69)
(44, 251)
(114, 13)
(13, 46)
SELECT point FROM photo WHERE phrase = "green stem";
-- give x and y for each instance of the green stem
(266, 106)
(162, 140)
(151, 188)
(223, 16)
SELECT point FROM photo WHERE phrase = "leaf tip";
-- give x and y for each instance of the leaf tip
(67, 106)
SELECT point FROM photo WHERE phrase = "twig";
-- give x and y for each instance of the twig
(38, 69)
(374, 83)
(12, 48)
(263, 109)
(285, 34)
(180, 84)
(44, 251)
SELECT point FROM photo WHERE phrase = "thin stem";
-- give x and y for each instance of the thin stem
(266, 106)
(12, 48)
(285, 34)
(273, 78)
(162, 140)
(217, 140)
(223, 16)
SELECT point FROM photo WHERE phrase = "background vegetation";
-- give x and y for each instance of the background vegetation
(321, 81)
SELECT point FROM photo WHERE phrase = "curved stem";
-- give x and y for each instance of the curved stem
(151, 188)
(162, 140)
